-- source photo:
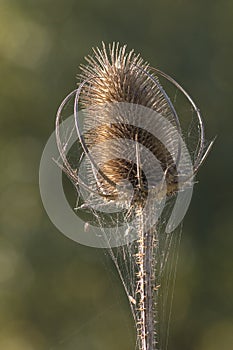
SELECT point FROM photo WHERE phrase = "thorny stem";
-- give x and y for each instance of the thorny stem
(146, 287)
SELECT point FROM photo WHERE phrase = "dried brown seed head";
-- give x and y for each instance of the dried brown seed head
(115, 76)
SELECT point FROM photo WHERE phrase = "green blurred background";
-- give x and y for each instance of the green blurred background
(55, 293)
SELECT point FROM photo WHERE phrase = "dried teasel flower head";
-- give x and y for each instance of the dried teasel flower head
(122, 99)
(113, 76)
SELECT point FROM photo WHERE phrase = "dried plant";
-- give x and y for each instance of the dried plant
(116, 89)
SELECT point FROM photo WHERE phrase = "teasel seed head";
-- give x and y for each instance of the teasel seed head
(112, 76)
